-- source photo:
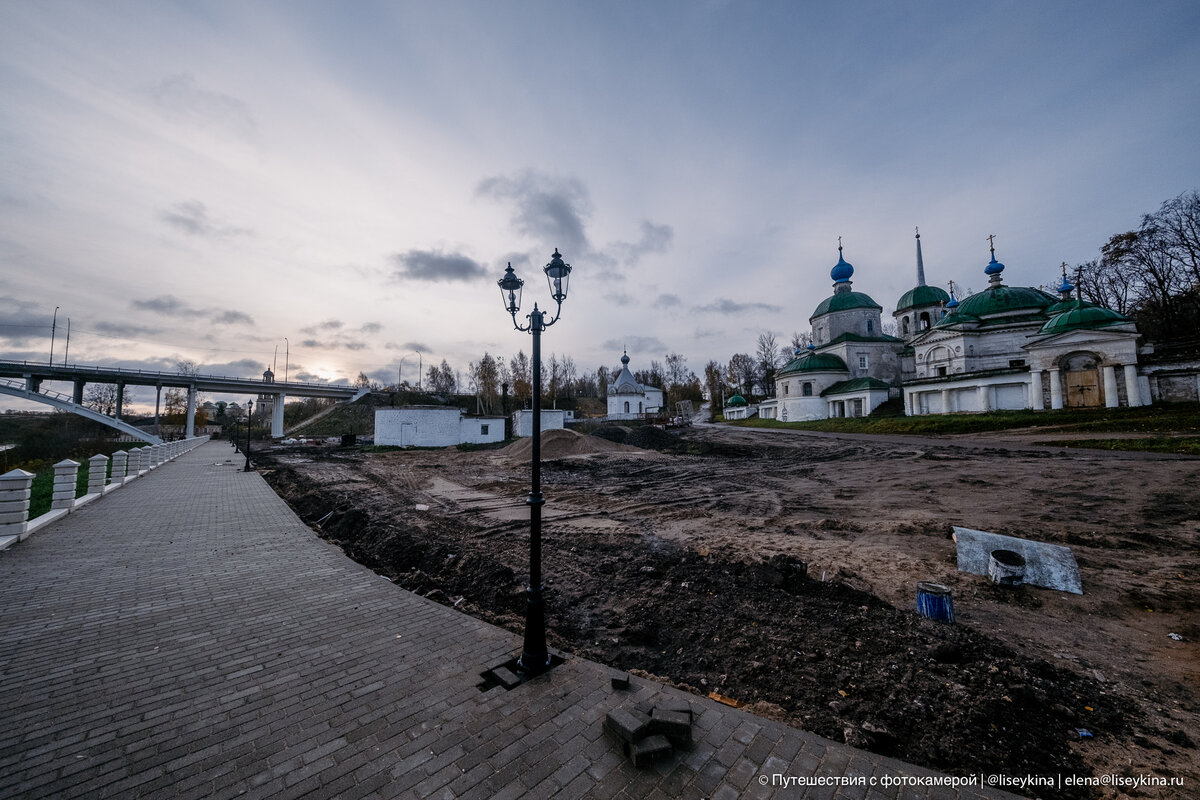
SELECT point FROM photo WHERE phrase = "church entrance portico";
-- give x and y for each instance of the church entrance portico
(1082, 385)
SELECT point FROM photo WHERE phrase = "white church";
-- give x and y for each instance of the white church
(628, 399)
(1003, 348)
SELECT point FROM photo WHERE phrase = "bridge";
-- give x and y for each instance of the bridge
(24, 379)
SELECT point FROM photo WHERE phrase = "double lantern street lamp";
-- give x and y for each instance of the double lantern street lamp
(535, 658)
(249, 425)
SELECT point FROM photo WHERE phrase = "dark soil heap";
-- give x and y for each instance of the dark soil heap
(823, 656)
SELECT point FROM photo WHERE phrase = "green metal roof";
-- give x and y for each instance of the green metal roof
(844, 301)
(922, 296)
(998, 300)
(1083, 316)
(857, 385)
(736, 400)
(854, 337)
(814, 362)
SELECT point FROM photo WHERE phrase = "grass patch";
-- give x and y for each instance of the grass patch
(41, 493)
(1165, 418)
(1185, 445)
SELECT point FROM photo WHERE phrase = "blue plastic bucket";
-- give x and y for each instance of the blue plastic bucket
(934, 601)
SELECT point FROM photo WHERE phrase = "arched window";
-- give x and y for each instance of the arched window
(870, 326)
(626, 406)
(806, 390)
(924, 320)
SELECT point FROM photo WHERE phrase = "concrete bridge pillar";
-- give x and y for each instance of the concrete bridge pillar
(277, 416)
(190, 429)
(120, 398)
(77, 396)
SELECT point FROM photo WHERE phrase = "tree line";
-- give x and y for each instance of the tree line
(1152, 274)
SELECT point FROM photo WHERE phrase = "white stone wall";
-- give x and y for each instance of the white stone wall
(481, 430)
(418, 427)
(552, 419)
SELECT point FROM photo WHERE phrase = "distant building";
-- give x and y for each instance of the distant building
(434, 426)
(628, 399)
(737, 407)
(1003, 348)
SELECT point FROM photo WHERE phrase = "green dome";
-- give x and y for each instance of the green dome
(814, 362)
(844, 301)
(736, 400)
(998, 300)
(922, 296)
(1081, 317)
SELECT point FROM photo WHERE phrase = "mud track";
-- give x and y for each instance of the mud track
(780, 571)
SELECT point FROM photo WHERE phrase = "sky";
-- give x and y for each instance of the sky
(334, 188)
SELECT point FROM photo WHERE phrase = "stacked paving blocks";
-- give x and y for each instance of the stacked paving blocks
(647, 733)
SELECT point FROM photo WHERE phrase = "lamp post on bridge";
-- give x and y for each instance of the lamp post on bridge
(53, 330)
(535, 658)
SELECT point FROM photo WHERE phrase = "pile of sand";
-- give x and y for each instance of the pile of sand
(562, 443)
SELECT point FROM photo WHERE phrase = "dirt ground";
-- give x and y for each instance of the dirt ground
(780, 570)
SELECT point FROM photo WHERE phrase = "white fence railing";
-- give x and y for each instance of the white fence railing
(127, 465)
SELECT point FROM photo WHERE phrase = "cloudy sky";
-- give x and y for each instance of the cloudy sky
(201, 180)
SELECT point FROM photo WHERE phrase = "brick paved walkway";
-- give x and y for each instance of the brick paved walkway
(189, 637)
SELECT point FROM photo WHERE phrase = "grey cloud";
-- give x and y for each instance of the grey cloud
(546, 208)
(430, 265)
(420, 347)
(192, 217)
(233, 318)
(311, 343)
(327, 325)
(180, 99)
(168, 304)
(667, 301)
(353, 345)
(726, 306)
(620, 298)
(371, 327)
(122, 329)
(645, 346)
(654, 239)
(308, 377)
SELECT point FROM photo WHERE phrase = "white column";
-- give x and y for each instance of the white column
(983, 399)
(1056, 400)
(66, 474)
(1132, 390)
(118, 467)
(1110, 386)
(945, 401)
(190, 429)
(277, 416)
(97, 473)
(14, 502)
(910, 398)
(1035, 391)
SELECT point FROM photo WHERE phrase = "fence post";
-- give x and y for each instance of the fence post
(15, 488)
(97, 473)
(66, 473)
(119, 460)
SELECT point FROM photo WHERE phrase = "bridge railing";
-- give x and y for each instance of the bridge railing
(104, 475)
(173, 378)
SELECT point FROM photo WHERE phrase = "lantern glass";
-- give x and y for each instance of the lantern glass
(558, 274)
(510, 290)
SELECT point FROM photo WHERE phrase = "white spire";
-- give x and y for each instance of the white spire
(920, 262)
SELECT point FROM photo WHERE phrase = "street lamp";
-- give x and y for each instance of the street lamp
(249, 425)
(535, 659)
(287, 358)
(420, 368)
(53, 330)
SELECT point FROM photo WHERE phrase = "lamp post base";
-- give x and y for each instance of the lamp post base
(535, 658)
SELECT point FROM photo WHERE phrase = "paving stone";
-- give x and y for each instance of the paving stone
(188, 636)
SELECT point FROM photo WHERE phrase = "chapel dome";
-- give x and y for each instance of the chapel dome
(843, 301)
(1083, 316)
(922, 296)
(814, 362)
(736, 400)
